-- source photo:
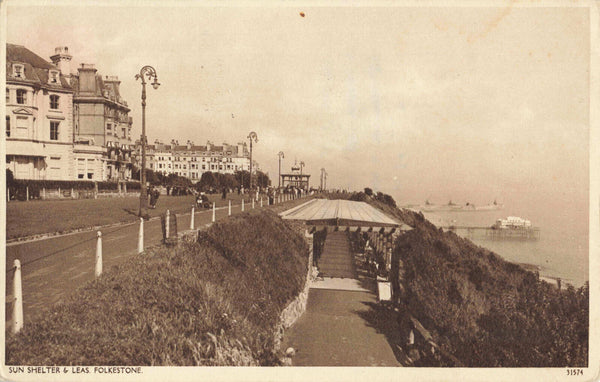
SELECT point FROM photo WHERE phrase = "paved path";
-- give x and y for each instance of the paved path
(343, 324)
(56, 266)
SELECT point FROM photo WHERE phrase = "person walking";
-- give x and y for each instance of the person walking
(224, 194)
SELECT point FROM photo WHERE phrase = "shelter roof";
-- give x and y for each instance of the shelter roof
(341, 213)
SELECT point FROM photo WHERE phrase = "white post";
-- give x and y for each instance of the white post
(99, 255)
(141, 237)
(192, 219)
(261, 201)
(229, 208)
(214, 217)
(72, 193)
(17, 316)
(242, 205)
(167, 221)
(8, 194)
(59, 194)
(44, 193)
(253, 203)
(27, 191)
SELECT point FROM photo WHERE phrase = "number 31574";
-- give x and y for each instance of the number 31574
(574, 371)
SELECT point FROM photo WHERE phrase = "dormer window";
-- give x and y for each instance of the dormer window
(54, 101)
(18, 71)
(53, 77)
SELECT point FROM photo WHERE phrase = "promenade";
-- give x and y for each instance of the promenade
(54, 267)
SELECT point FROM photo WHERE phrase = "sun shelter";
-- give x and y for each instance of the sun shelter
(343, 213)
(336, 216)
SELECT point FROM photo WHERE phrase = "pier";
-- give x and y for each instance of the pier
(532, 233)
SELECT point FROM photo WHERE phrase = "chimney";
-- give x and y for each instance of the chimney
(87, 78)
(208, 146)
(62, 59)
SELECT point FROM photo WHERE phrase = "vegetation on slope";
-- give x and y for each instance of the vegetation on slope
(214, 302)
(482, 309)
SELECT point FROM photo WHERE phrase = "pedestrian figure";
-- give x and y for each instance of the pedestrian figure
(224, 195)
(152, 197)
(156, 194)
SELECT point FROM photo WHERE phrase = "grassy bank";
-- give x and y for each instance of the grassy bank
(215, 302)
(49, 216)
(484, 310)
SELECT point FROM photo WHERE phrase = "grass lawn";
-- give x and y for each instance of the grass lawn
(49, 216)
(212, 302)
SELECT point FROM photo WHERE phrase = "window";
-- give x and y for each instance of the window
(124, 132)
(18, 71)
(54, 130)
(109, 128)
(54, 101)
(90, 168)
(53, 77)
(21, 96)
(7, 95)
(7, 126)
(80, 168)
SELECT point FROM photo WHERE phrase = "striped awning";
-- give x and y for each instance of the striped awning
(339, 213)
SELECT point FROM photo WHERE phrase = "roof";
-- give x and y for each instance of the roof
(36, 68)
(339, 212)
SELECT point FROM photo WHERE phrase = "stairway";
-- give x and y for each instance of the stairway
(336, 259)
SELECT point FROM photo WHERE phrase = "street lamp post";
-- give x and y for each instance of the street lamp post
(251, 136)
(281, 156)
(150, 73)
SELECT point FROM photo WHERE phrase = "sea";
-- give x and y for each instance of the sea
(562, 250)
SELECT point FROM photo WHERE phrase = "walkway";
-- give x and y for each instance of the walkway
(343, 324)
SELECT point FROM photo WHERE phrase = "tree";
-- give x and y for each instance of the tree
(262, 179)
(369, 191)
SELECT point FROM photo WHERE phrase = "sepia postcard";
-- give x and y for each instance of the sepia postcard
(300, 190)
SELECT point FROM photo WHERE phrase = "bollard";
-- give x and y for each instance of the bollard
(17, 316)
(242, 205)
(229, 214)
(43, 193)
(27, 191)
(59, 194)
(167, 219)
(192, 219)
(99, 255)
(141, 237)
(261, 202)
(214, 217)
(8, 194)
(72, 193)
(252, 203)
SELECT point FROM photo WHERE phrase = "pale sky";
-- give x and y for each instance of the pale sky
(464, 103)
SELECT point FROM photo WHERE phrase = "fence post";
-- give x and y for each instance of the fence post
(141, 237)
(261, 202)
(252, 203)
(43, 193)
(99, 255)
(72, 193)
(192, 219)
(7, 194)
(214, 216)
(17, 316)
(27, 193)
(95, 190)
(229, 208)
(242, 205)
(59, 193)
(167, 220)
